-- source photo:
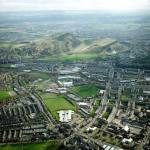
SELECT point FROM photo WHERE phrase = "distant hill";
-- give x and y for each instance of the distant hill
(102, 45)
(61, 44)
(56, 45)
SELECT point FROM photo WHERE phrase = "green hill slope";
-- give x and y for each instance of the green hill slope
(64, 45)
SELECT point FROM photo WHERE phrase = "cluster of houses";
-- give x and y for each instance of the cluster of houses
(131, 116)
(20, 119)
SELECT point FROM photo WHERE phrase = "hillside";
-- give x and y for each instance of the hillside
(107, 45)
(55, 45)
(52, 45)
(62, 44)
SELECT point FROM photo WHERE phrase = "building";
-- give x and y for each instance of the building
(69, 71)
(126, 128)
(84, 105)
(101, 92)
(91, 128)
(65, 115)
(68, 84)
(74, 97)
(127, 141)
(65, 84)
(147, 78)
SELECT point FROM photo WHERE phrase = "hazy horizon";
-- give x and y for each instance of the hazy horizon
(75, 5)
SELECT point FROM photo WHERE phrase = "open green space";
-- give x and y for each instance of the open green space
(97, 102)
(43, 84)
(86, 90)
(38, 74)
(125, 98)
(7, 66)
(71, 57)
(106, 115)
(4, 94)
(56, 102)
(50, 145)
(75, 57)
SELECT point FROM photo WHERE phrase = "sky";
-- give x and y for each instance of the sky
(111, 5)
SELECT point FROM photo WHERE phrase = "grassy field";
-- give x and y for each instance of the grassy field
(38, 74)
(5, 65)
(70, 57)
(43, 84)
(50, 145)
(4, 95)
(75, 57)
(8, 66)
(57, 102)
(86, 90)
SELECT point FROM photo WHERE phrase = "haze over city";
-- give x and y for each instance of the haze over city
(74, 74)
(115, 5)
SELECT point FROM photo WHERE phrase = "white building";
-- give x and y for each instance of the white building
(102, 92)
(65, 115)
(62, 90)
(146, 92)
(147, 78)
(32, 115)
(126, 128)
(84, 105)
(68, 77)
(65, 84)
(27, 70)
(124, 141)
(68, 84)
(91, 128)
(69, 70)
(141, 98)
